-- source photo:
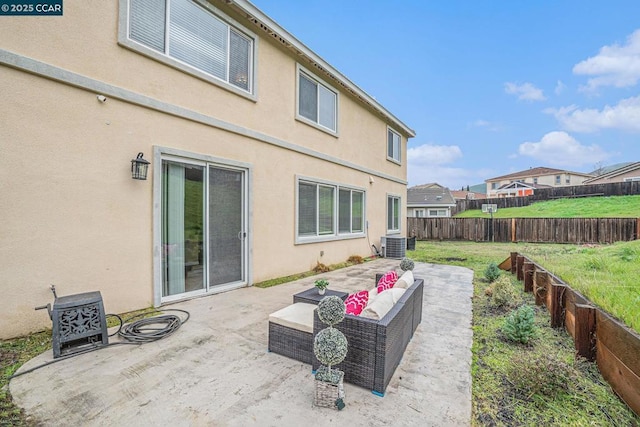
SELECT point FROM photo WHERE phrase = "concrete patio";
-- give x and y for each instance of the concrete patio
(215, 370)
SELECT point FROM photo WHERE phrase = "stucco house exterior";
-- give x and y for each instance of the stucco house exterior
(628, 172)
(525, 182)
(429, 200)
(264, 159)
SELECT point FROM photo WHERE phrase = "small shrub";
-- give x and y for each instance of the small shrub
(503, 293)
(519, 325)
(540, 373)
(492, 272)
(321, 268)
(355, 259)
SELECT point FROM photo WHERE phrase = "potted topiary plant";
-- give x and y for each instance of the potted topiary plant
(406, 264)
(330, 347)
(321, 284)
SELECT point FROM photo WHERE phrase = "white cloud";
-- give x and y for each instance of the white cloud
(560, 87)
(427, 163)
(623, 116)
(427, 154)
(561, 149)
(614, 65)
(525, 92)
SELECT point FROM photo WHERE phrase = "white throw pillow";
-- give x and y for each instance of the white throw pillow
(405, 281)
(382, 304)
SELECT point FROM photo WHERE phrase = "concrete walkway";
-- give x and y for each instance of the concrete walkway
(216, 371)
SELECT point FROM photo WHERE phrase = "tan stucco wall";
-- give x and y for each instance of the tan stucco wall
(72, 215)
(618, 178)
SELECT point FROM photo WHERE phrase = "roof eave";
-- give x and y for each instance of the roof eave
(273, 28)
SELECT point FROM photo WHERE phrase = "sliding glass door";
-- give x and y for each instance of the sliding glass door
(203, 228)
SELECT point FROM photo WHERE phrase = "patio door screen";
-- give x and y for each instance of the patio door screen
(203, 228)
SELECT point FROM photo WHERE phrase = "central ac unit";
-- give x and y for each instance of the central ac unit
(393, 246)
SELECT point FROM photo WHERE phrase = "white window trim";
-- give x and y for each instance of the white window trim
(386, 208)
(125, 41)
(336, 235)
(300, 69)
(392, 159)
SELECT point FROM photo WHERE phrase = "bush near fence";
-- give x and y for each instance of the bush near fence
(611, 189)
(532, 230)
(597, 336)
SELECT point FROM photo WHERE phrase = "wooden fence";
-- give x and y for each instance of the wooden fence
(610, 189)
(534, 230)
(597, 336)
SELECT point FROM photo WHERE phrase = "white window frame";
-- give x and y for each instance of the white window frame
(164, 57)
(316, 123)
(558, 179)
(418, 213)
(390, 220)
(494, 185)
(632, 179)
(336, 234)
(396, 151)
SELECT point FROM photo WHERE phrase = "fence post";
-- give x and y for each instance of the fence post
(513, 230)
(556, 304)
(540, 283)
(514, 255)
(585, 329)
(637, 228)
(519, 264)
(528, 268)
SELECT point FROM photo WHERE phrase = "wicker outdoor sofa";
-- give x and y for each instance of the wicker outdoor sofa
(375, 347)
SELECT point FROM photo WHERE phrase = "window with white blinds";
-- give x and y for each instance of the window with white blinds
(316, 102)
(185, 31)
(393, 145)
(393, 213)
(329, 211)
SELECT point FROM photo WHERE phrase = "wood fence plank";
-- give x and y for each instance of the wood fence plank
(519, 265)
(528, 268)
(624, 382)
(585, 331)
(540, 283)
(556, 304)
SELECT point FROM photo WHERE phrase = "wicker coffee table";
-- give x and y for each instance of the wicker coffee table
(311, 296)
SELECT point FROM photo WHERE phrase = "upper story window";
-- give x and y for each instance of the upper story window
(535, 180)
(393, 145)
(567, 179)
(184, 32)
(317, 103)
(558, 179)
(494, 185)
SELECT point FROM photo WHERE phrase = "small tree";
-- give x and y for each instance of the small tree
(492, 272)
(519, 326)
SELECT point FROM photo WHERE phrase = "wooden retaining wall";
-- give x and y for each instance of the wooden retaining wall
(533, 230)
(597, 336)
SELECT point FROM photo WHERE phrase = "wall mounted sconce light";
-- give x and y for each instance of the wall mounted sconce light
(139, 167)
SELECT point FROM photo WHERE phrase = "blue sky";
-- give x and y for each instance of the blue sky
(490, 87)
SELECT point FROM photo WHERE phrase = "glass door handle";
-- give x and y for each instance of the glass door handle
(241, 235)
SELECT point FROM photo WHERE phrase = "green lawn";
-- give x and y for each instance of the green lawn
(542, 382)
(588, 207)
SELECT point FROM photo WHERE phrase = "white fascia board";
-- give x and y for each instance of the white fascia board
(297, 45)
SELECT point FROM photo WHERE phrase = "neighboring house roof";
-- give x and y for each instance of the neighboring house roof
(275, 31)
(463, 195)
(629, 167)
(538, 171)
(606, 169)
(429, 195)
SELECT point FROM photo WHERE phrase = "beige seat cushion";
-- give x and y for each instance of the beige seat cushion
(297, 316)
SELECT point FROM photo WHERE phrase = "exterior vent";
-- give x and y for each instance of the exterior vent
(393, 246)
